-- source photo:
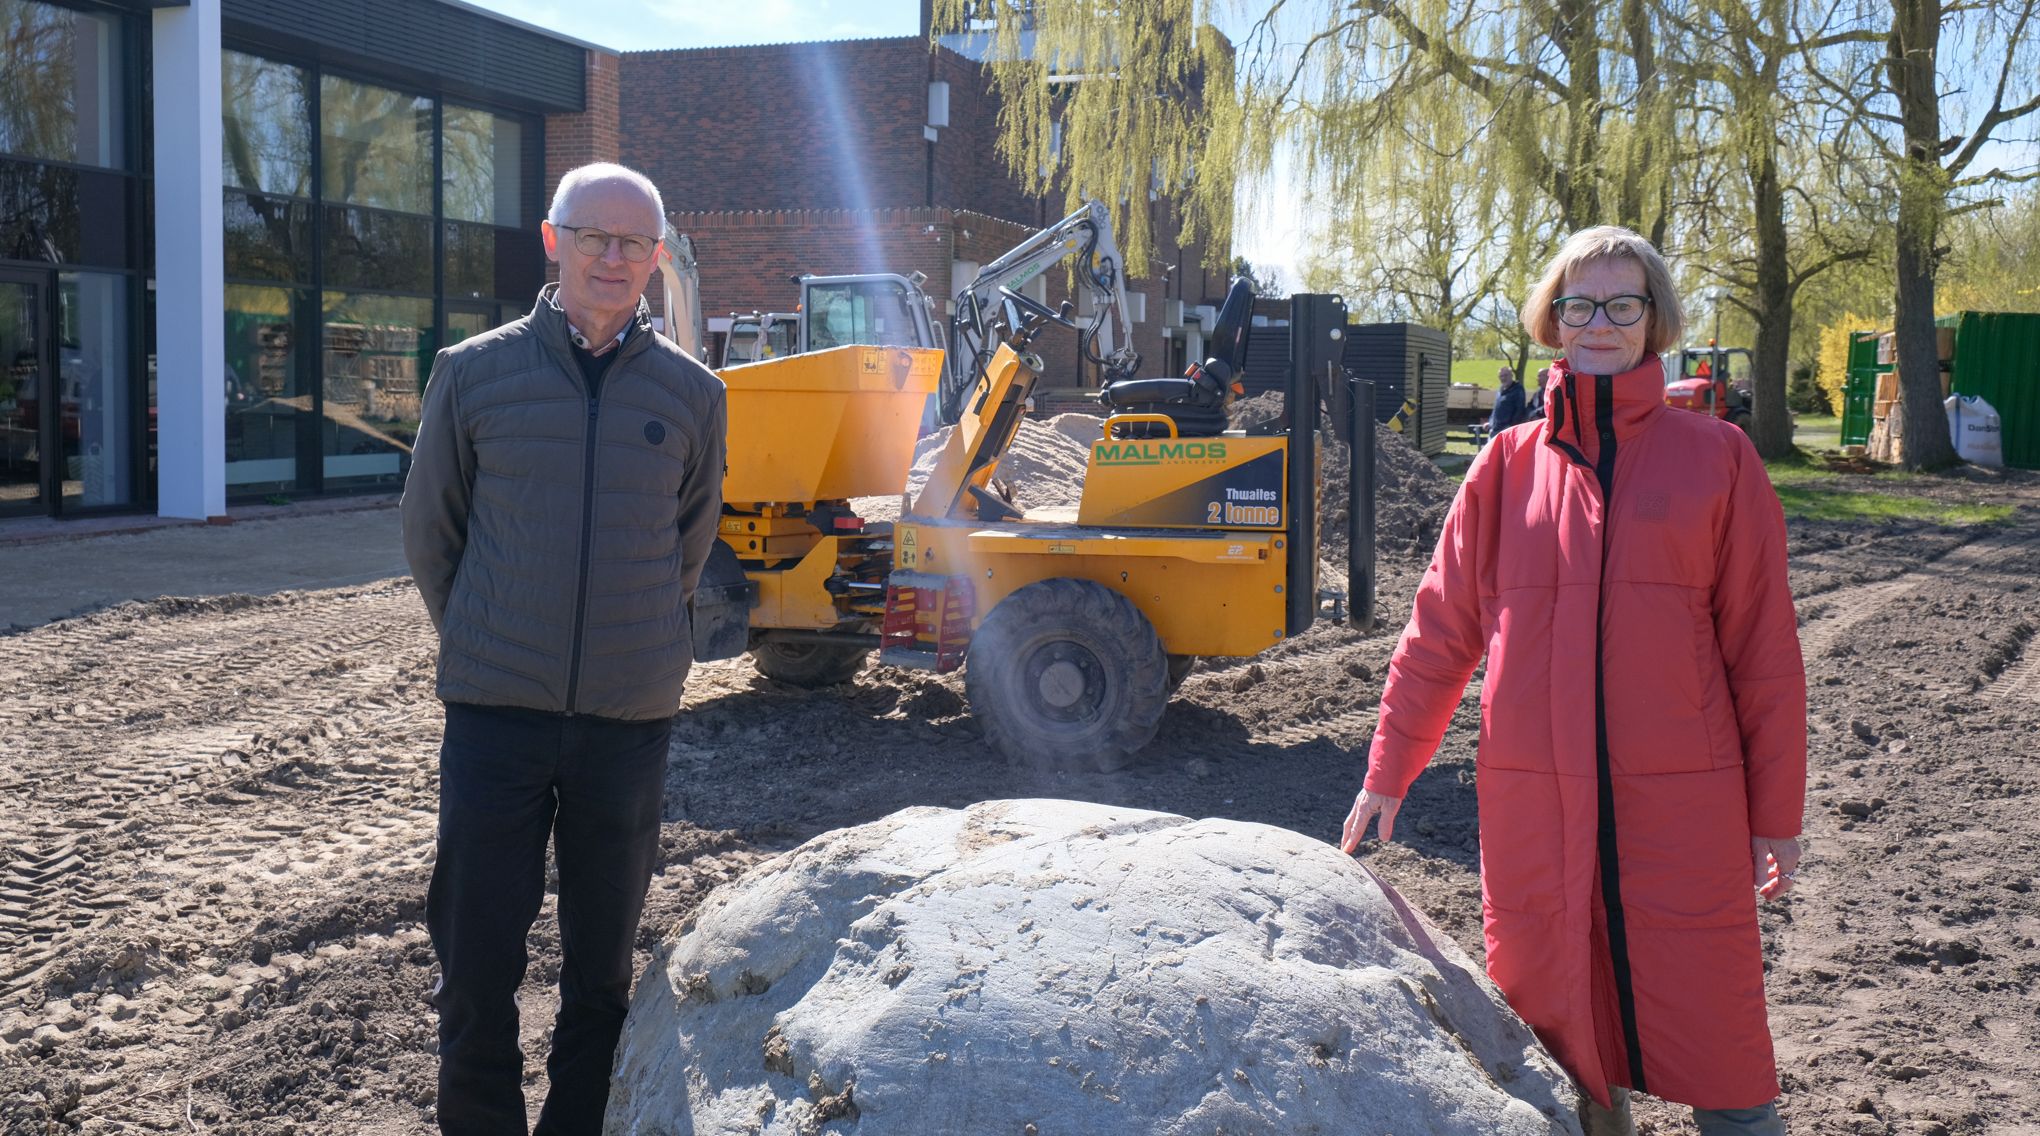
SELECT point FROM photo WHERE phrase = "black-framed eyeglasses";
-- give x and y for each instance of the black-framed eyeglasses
(1578, 311)
(595, 242)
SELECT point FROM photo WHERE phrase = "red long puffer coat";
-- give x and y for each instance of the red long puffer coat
(1622, 567)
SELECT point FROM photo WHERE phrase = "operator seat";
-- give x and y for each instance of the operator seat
(1196, 401)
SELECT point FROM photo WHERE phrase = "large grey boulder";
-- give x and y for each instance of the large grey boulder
(1055, 967)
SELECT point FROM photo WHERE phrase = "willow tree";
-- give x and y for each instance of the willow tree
(1122, 104)
(1119, 100)
(1426, 232)
(1887, 90)
(1768, 220)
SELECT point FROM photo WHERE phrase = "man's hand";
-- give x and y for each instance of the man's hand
(1365, 807)
(1775, 862)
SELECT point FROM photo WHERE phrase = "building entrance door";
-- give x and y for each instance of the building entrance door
(29, 417)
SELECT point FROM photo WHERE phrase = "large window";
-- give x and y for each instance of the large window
(95, 388)
(347, 264)
(266, 394)
(377, 351)
(266, 136)
(60, 85)
(484, 156)
(376, 146)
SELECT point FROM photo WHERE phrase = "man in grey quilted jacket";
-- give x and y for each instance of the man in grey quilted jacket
(564, 493)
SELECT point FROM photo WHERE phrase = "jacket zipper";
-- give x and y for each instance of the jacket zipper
(632, 344)
(1611, 869)
(587, 550)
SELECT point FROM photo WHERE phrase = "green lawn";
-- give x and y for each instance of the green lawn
(1481, 372)
(1817, 432)
(1807, 488)
(1805, 485)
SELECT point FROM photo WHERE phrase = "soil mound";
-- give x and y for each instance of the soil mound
(1411, 494)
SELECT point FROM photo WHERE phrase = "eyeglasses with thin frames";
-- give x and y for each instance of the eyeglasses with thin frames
(595, 242)
(1578, 311)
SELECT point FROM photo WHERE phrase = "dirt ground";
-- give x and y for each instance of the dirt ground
(220, 816)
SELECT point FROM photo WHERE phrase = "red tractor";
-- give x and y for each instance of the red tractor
(1712, 380)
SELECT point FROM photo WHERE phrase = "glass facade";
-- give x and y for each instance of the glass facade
(365, 224)
(266, 395)
(96, 388)
(377, 352)
(73, 421)
(346, 258)
(61, 90)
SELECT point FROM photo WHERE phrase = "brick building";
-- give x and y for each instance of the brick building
(874, 155)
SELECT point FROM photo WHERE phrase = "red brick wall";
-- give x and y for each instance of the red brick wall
(969, 173)
(783, 126)
(573, 140)
(591, 136)
(747, 259)
(789, 158)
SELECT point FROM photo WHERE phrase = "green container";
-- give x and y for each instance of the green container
(1860, 392)
(1997, 358)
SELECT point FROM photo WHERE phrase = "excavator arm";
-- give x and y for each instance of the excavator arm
(983, 308)
(680, 283)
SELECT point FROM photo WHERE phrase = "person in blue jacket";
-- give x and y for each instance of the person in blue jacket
(1509, 404)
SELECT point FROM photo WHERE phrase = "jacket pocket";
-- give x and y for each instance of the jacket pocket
(1654, 682)
(1522, 833)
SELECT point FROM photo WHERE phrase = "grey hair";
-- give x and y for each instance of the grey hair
(1607, 242)
(595, 172)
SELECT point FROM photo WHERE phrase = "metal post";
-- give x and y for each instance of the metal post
(1360, 504)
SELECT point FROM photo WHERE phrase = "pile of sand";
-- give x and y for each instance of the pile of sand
(1043, 468)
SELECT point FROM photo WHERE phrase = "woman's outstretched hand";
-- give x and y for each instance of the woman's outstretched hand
(1366, 807)
(1776, 862)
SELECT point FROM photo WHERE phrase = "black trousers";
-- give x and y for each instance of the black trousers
(508, 779)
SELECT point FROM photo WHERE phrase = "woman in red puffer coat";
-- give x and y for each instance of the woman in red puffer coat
(1642, 761)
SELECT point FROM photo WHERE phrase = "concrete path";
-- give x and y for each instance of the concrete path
(52, 579)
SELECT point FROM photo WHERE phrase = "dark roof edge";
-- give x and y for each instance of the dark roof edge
(514, 22)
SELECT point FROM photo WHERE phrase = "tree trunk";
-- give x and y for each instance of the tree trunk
(1642, 159)
(1771, 354)
(1578, 188)
(1918, 424)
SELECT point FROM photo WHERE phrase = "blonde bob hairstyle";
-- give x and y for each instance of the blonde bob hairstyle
(1666, 318)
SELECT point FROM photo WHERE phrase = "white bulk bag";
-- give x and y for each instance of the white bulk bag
(1974, 428)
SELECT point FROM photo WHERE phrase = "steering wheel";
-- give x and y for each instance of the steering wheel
(1035, 307)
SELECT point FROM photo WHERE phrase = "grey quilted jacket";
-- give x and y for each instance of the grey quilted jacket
(555, 538)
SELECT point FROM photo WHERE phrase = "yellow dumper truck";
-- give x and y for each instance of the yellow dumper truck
(1072, 626)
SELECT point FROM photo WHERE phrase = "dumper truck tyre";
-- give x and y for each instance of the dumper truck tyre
(1740, 418)
(1067, 674)
(808, 664)
(1180, 667)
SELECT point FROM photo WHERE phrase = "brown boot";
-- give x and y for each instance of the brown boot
(1598, 1121)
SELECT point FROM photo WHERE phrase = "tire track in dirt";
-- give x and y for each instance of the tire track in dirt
(2021, 679)
(1830, 615)
(335, 785)
(180, 673)
(1348, 729)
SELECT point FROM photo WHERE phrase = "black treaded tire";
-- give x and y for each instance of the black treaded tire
(1740, 419)
(1180, 667)
(1067, 674)
(808, 664)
